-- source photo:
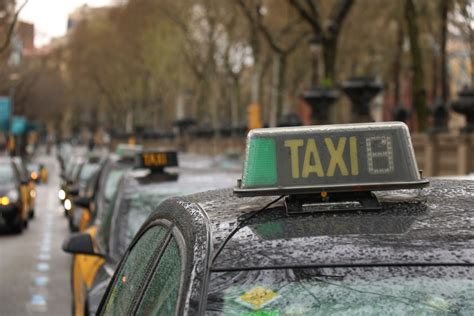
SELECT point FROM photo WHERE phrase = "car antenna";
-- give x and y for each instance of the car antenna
(241, 224)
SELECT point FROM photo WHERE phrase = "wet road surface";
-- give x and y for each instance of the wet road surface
(34, 271)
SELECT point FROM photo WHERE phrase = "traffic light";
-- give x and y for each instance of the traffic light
(254, 117)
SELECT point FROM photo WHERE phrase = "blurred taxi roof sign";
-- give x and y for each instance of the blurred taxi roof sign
(329, 158)
(156, 160)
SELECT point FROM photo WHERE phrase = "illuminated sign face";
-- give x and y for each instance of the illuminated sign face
(329, 158)
(158, 160)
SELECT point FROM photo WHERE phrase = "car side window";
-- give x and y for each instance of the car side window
(134, 270)
(161, 294)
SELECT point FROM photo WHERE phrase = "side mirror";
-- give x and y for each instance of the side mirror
(79, 243)
(82, 201)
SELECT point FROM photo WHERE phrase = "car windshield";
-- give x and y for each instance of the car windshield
(104, 215)
(75, 171)
(7, 174)
(32, 167)
(133, 212)
(22, 169)
(343, 291)
(88, 171)
(137, 206)
(111, 183)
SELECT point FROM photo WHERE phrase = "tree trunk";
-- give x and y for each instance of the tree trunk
(235, 102)
(265, 104)
(278, 87)
(444, 62)
(329, 58)
(256, 82)
(129, 122)
(435, 83)
(471, 46)
(418, 81)
(202, 99)
(397, 63)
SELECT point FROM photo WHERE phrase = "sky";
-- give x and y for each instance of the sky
(50, 16)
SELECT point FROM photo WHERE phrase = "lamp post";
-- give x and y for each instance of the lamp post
(361, 90)
(465, 105)
(400, 113)
(440, 113)
(318, 97)
(315, 49)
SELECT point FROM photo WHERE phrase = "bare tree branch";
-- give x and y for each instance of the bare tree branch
(338, 15)
(8, 38)
(307, 16)
(313, 7)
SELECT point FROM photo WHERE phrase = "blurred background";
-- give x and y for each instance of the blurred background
(199, 74)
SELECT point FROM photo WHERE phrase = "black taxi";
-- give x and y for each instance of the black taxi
(15, 195)
(156, 177)
(325, 220)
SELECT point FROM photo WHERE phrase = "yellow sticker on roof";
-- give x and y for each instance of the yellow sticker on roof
(257, 297)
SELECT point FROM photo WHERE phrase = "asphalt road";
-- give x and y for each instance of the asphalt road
(34, 272)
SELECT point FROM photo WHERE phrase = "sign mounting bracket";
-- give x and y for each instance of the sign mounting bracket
(330, 202)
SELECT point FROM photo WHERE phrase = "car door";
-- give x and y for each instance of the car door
(150, 279)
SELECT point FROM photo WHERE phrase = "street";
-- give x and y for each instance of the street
(34, 274)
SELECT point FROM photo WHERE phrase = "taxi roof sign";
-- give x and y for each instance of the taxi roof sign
(157, 159)
(329, 158)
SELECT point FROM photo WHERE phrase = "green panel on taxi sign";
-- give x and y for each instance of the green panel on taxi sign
(260, 168)
(332, 158)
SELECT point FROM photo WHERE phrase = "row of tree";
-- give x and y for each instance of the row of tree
(147, 63)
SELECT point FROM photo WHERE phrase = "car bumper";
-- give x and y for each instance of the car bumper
(9, 210)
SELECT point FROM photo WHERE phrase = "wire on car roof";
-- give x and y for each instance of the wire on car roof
(241, 224)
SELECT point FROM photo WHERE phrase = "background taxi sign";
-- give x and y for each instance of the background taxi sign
(157, 159)
(329, 158)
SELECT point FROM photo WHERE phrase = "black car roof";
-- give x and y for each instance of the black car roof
(144, 180)
(434, 228)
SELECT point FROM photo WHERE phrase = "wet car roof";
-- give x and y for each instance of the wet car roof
(179, 177)
(159, 186)
(433, 228)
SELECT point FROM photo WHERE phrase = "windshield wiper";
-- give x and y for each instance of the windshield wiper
(342, 265)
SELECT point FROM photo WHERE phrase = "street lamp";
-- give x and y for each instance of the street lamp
(465, 105)
(318, 97)
(440, 113)
(315, 49)
(361, 90)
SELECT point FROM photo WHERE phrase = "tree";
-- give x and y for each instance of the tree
(463, 22)
(10, 29)
(418, 81)
(330, 33)
(277, 38)
(443, 12)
